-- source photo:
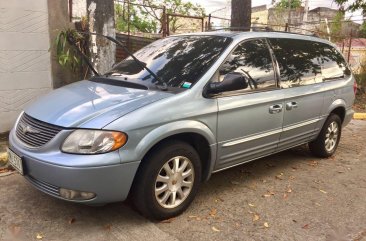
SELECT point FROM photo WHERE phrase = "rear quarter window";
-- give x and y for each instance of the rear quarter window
(333, 64)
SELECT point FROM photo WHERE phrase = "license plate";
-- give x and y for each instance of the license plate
(15, 161)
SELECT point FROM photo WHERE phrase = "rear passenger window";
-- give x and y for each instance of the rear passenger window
(333, 64)
(252, 59)
(298, 60)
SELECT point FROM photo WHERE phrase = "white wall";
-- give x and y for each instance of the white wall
(25, 71)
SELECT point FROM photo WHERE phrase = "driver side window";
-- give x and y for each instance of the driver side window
(252, 60)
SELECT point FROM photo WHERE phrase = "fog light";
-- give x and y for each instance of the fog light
(75, 195)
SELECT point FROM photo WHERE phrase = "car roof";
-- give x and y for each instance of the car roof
(259, 34)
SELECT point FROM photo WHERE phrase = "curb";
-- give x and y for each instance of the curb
(359, 116)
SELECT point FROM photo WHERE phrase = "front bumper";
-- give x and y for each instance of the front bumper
(110, 183)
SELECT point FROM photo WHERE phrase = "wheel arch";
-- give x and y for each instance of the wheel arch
(194, 133)
(338, 107)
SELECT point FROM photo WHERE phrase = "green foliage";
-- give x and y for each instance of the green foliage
(66, 54)
(284, 4)
(336, 26)
(363, 30)
(139, 20)
(354, 6)
(150, 19)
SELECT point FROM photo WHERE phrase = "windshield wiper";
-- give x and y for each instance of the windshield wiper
(162, 85)
(72, 42)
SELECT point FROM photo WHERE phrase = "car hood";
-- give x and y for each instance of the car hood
(88, 104)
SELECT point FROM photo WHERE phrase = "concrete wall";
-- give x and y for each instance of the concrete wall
(24, 58)
(58, 19)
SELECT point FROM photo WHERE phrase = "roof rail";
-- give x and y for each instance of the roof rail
(267, 28)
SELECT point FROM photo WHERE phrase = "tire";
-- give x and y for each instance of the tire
(153, 197)
(326, 143)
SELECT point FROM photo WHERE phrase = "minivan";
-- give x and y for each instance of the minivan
(165, 119)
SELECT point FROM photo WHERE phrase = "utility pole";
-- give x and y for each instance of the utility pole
(328, 30)
(349, 47)
(305, 18)
(289, 16)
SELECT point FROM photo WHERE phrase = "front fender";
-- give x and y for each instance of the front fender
(185, 126)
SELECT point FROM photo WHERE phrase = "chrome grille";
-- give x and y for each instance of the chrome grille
(35, 133)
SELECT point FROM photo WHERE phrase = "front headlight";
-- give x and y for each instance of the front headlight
(93, 141)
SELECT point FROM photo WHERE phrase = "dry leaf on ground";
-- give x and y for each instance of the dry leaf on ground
(213, 212)
(280, 176)
(215, 229)
(168, 220)
(72, 220)
(266, 225)
(306, 226)
(256, 217)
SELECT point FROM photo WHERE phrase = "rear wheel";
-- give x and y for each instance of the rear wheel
(167, 180)
(327, 142)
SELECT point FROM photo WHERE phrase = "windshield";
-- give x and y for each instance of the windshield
(177, 61)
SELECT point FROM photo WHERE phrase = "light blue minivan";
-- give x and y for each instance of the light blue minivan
(162, 121)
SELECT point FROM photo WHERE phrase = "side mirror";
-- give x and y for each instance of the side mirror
(232, 81)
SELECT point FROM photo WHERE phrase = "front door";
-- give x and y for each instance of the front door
(249, 120)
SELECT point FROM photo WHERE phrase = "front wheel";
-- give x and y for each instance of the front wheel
(167, 180)
(327, 142)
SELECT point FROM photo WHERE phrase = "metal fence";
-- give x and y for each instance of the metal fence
(178, 23)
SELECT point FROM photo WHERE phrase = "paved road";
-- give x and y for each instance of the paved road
(288, 196)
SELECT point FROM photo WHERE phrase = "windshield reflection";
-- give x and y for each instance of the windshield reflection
(178, 61)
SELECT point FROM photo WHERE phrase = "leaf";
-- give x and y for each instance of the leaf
(313, 163)
(289, 190)
(266, 225)
(218, 200)
(72, 220)
(323, 191)
(39, 236)
(251, 205)
(193, 216)
(15, 230)
(268, 194)
(215, 229)
(213, 212)
(235, 182)
(306, 226)
(256, 217)
(108, 227)
(280, 176)
(168, 220)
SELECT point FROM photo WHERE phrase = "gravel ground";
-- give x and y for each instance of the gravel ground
(287, 196)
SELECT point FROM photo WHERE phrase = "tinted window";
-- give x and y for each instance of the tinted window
(298, 60)
(251, 59)
(177, 61)
(333, 64)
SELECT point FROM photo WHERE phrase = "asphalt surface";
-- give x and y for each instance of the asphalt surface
(287, 196)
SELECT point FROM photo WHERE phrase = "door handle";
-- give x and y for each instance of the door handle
(291, 105)
(275, 109)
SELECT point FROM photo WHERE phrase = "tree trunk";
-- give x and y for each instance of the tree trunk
(241, 14)
(101, 21)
